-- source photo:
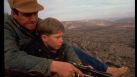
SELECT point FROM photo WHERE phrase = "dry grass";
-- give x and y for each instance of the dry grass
(114, 44)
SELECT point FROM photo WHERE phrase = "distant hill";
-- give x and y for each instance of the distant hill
(129, 20)
(99, 23)
(86, 23)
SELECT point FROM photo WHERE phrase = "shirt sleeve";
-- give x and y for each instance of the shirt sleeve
(17, 59)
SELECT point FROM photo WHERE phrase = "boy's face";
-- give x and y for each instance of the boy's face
(55, 41)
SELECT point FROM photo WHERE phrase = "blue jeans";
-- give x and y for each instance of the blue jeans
(90, 60)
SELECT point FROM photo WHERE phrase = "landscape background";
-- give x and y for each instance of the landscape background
(105, 28)
(113, 40)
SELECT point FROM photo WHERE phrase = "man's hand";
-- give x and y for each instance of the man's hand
(64, 69)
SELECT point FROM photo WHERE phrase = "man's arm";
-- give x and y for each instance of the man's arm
(17, 59)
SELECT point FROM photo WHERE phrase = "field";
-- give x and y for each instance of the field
(113, 41)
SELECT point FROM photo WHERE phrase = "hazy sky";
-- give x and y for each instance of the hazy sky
(84, 9)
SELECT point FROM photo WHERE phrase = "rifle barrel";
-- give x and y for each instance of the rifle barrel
(93, 71)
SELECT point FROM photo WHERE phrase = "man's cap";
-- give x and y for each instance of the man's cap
(25, 6)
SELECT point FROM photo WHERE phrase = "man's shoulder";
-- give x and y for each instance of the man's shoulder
(7, 21)
(6, 18)
(67, 47)
(66, 44)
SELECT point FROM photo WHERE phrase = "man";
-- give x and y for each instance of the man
(19, 30)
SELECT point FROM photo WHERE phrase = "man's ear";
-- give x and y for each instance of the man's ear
(44, 38)
(13, 14)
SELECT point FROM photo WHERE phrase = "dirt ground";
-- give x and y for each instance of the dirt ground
(115, 46)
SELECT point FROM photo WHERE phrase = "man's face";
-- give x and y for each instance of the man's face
(55, 41)
(27, 20)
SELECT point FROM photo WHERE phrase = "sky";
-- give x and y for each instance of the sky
(66, 10)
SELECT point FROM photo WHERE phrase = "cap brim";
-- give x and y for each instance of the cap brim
(32, 8)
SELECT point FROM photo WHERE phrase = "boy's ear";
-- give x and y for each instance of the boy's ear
(44, 38)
